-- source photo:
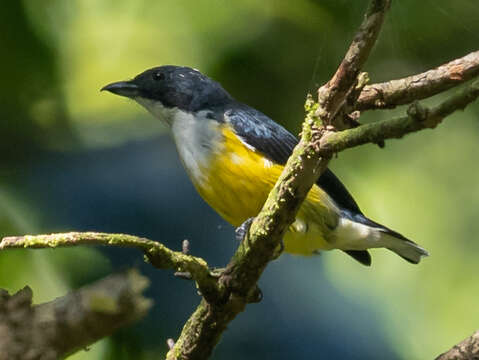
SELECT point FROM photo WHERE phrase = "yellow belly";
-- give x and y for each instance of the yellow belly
(237, 182)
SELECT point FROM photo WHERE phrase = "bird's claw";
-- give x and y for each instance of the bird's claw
(242, 230)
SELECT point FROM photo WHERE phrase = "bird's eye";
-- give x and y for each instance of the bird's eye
(158, 76)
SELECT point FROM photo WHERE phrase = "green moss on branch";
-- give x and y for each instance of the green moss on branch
(158, 255)
(418, 118)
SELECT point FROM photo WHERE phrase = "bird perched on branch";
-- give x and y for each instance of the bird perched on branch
(234, 154)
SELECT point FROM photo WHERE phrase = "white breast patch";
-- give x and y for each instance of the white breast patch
(195, 137)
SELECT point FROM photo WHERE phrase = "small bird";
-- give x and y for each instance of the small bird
(234, 154)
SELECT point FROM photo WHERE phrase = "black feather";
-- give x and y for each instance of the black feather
(360, 218)
(362, 256)
(335, 188)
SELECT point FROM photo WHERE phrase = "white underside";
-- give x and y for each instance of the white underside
(351, 235)
(195, 138)
(355, 236)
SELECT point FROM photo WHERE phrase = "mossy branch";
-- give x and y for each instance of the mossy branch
(58, 328)
(157, 254)
(332, 95)
(418, 118)
(421, 86)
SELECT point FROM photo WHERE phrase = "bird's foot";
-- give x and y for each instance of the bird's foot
(186, 275)
(242, 230)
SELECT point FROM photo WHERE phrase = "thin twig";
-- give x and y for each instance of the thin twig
(421, 86)
(331, 96)
(418, 118)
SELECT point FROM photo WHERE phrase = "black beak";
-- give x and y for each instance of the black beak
(123, 88)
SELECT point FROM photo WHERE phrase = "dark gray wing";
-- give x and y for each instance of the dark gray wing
(260, 132)
(276, 143)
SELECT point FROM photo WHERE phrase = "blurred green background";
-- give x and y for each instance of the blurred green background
(74, 159)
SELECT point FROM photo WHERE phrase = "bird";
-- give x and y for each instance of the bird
(234, 154)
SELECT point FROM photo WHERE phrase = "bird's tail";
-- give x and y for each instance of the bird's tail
(405, 248)
(394, 241)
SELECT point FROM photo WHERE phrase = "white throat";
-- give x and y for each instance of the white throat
(196, 137)
(156, 108)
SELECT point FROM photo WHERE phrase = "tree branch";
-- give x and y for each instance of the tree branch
(332, 95)
(157, 254)
(421, 86)
(418, 118)
(58, 328)
(468, 349)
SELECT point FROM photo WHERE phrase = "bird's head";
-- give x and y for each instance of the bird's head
(168, 88)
